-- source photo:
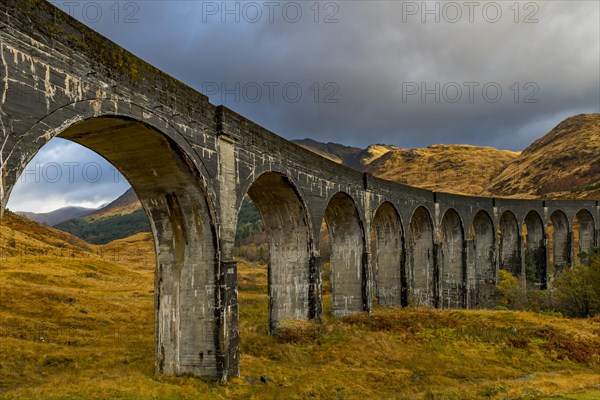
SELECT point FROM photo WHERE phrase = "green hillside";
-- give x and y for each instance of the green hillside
(105, 230)
(249, 222)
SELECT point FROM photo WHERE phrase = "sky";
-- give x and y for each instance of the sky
(406, 73)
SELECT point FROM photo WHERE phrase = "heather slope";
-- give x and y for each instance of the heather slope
(564, 163)
(458, 169)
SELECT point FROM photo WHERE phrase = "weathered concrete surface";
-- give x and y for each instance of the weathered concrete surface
(559, 241)
(510, 247)
(286, 223)
(536, 266)
(388, 261)
(583, 237)
(482, 254)
(347, 256)
(191, 163)
(451, 261)
(423, 275)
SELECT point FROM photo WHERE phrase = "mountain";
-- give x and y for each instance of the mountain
(460, 169)
(565, 163)
(353, 157)
(125, 204)
(57, 216)
(119, 219)
(333, 151)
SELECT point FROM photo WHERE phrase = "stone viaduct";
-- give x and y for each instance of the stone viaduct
(191, 163)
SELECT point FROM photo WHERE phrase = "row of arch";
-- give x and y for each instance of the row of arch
(438, 270)
(424, 265)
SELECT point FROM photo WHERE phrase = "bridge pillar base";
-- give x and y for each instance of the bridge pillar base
(228, 337)
(367, 283)
(315, 298)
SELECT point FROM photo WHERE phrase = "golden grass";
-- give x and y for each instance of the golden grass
(460, 169)
(82, 327)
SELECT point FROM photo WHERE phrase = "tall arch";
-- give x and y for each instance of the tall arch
(174, 196)
(535, 251)
(285, 220)
(348, 278)
(558, 243)
(583, 236)
(452, 262)
(509, 257)
(483, 239)
(388, 251)
(420, 260)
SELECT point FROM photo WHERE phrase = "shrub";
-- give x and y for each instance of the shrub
(512, 295)
(576, 291)
(540, 300)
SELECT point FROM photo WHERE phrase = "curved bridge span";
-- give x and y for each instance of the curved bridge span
(191, 163)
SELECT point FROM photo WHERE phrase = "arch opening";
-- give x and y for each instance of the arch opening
(285, 222)
(535, 251)
(509, 258)
(420, 260)
(583, 237)
(173, 195)
(347, 276)
(559, 249)
(452, 262)
(483, 239)
(388, 250)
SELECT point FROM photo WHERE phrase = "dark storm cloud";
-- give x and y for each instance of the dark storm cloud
(371, 58)
(368, 59)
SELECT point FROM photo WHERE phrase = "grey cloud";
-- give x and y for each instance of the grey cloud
(369, 54)
(64, 173)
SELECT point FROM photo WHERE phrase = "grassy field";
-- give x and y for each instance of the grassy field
(76, 322)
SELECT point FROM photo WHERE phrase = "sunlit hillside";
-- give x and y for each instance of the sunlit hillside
(127, 203)
(458, 169)
(565, 163)
(461, 169)
(77, 322)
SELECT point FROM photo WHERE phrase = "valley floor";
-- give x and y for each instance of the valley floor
(80, 325)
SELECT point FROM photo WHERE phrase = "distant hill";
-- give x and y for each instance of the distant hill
(565, 163)
(333, 151)
(353, 157)
(119, 219)
(458, 169)
(125, 204)
(461, 169)
(57, 216)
